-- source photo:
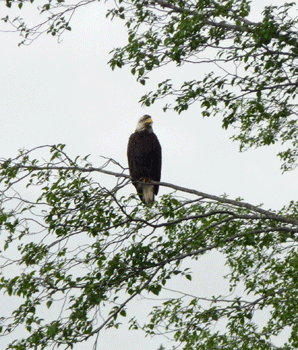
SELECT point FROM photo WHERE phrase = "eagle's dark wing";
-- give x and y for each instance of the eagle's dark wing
(155, 157)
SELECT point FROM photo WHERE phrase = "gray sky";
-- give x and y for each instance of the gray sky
(66, 93)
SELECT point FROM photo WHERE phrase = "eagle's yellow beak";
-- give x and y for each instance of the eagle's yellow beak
(149, 121)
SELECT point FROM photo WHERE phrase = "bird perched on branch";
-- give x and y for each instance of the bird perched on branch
(144, 159)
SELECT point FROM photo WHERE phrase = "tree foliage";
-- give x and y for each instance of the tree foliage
(251, 73)
(86, 251)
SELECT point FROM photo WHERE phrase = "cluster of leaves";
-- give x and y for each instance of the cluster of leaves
(55, 18)
(86, 252)
(253, 85)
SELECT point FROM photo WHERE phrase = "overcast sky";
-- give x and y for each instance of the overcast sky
(66, 93)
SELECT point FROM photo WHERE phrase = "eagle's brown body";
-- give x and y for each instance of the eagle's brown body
(144, 159)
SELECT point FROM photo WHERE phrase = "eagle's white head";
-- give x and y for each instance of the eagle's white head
(145, 123)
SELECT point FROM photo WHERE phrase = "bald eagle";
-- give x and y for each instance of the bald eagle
(144, 159)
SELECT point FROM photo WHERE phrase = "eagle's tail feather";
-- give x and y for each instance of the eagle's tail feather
(148, 193)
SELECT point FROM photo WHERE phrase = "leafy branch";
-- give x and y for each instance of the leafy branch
(97, 249)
